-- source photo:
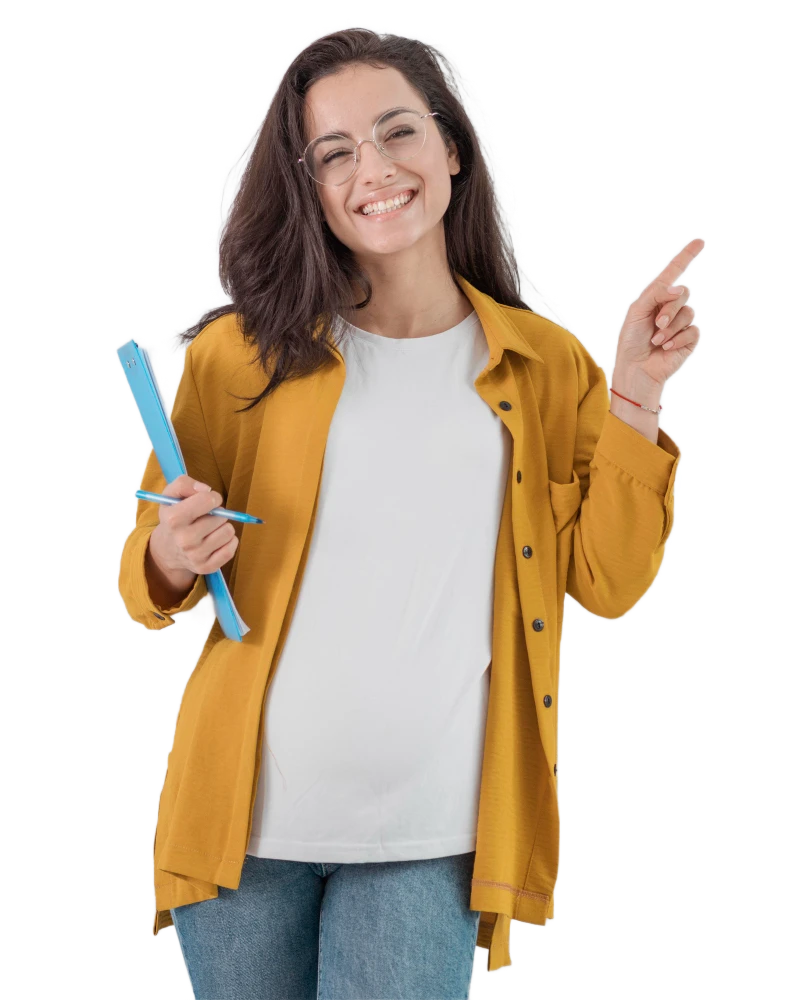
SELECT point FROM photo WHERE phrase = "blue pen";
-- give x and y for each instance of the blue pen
(232, 515)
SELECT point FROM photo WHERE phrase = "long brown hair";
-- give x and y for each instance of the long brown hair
(286, 272)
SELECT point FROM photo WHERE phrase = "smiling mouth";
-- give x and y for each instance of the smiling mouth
(391, 214)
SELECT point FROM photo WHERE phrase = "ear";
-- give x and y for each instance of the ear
(453, 160)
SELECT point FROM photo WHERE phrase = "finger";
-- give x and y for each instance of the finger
(661, 290)
(654, 297)
(685, 338)
(207, 525)
(183, 486)
(195, 507)
(679, 263)
(222, 534)
(223, 553)
(679, 321)
(214, 540)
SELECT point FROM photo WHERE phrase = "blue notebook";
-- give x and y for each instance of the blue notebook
(139, 372)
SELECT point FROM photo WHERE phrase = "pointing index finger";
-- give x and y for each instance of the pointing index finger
(679, 263)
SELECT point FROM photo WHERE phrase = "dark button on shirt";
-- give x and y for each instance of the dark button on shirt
(159, 616)
(548, 701)
(505, 405)
(527, 551)
(538, 624)
(519, 476)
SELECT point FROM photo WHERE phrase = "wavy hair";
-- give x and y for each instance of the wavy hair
(287, 274)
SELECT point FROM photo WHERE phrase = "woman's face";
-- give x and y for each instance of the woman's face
(352, 100)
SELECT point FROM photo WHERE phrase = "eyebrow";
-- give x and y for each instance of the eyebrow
(340, 131)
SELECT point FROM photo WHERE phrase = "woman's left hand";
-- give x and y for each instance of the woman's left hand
(658, 335)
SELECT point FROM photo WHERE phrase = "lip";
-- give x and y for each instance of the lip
(395, 212)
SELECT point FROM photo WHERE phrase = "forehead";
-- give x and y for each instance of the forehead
(352, 99)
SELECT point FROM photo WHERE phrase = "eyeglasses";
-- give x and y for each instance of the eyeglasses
(398, 134)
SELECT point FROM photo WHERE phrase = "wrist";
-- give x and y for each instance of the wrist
(163, 578)
(636, 385)
(154, 556)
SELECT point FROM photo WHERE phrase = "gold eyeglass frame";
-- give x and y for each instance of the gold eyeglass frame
(357, 149)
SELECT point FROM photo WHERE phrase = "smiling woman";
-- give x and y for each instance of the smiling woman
(402, 249)
(436, 467)
(295, 265)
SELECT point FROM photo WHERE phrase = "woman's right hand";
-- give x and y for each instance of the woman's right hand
(189, 541)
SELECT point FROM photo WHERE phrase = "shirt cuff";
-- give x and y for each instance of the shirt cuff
(653, 464)
(152, 615)
(195, 595)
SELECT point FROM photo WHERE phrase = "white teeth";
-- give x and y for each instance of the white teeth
(376, 208)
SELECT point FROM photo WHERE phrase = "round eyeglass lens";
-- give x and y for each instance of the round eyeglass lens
(400, 134)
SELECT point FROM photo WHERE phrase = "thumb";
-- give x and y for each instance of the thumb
(659, 293)
(185, 486)
(653, 297)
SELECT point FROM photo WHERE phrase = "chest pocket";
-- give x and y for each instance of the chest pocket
(565, 500)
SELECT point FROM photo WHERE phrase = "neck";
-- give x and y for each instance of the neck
(416, 297)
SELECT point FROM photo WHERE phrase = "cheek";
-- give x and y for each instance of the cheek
(334, 213)
(437, 178)
(438, 191)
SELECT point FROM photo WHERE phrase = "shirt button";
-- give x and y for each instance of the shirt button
(505, 405)
(555, 768)
(159, 616)
(538, 624)
(527, 551)
(548, 701)
(519, 476)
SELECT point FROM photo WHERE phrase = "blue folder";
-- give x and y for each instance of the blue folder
(139, 372)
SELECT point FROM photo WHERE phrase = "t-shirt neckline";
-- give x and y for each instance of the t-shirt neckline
(411, 343)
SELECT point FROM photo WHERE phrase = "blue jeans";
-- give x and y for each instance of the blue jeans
(296, 930)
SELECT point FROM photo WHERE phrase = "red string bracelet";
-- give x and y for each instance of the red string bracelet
(640, 405)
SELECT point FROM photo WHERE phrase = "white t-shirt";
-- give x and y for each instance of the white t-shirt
(375, 716)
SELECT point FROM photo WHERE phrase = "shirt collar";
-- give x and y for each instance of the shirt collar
(501, 333)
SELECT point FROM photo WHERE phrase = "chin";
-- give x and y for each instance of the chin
(389, 245)
(398, 241)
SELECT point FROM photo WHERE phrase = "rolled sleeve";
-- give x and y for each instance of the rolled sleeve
(134, 589)
(651, 463)
(626, 513)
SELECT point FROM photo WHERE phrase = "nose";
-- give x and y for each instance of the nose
(373, 160)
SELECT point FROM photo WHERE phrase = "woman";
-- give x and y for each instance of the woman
(365, 787)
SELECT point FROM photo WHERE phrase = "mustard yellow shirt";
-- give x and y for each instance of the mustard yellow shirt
(588, 509)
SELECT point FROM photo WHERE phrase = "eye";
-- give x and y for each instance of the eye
(330, 157)
(399, 133)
